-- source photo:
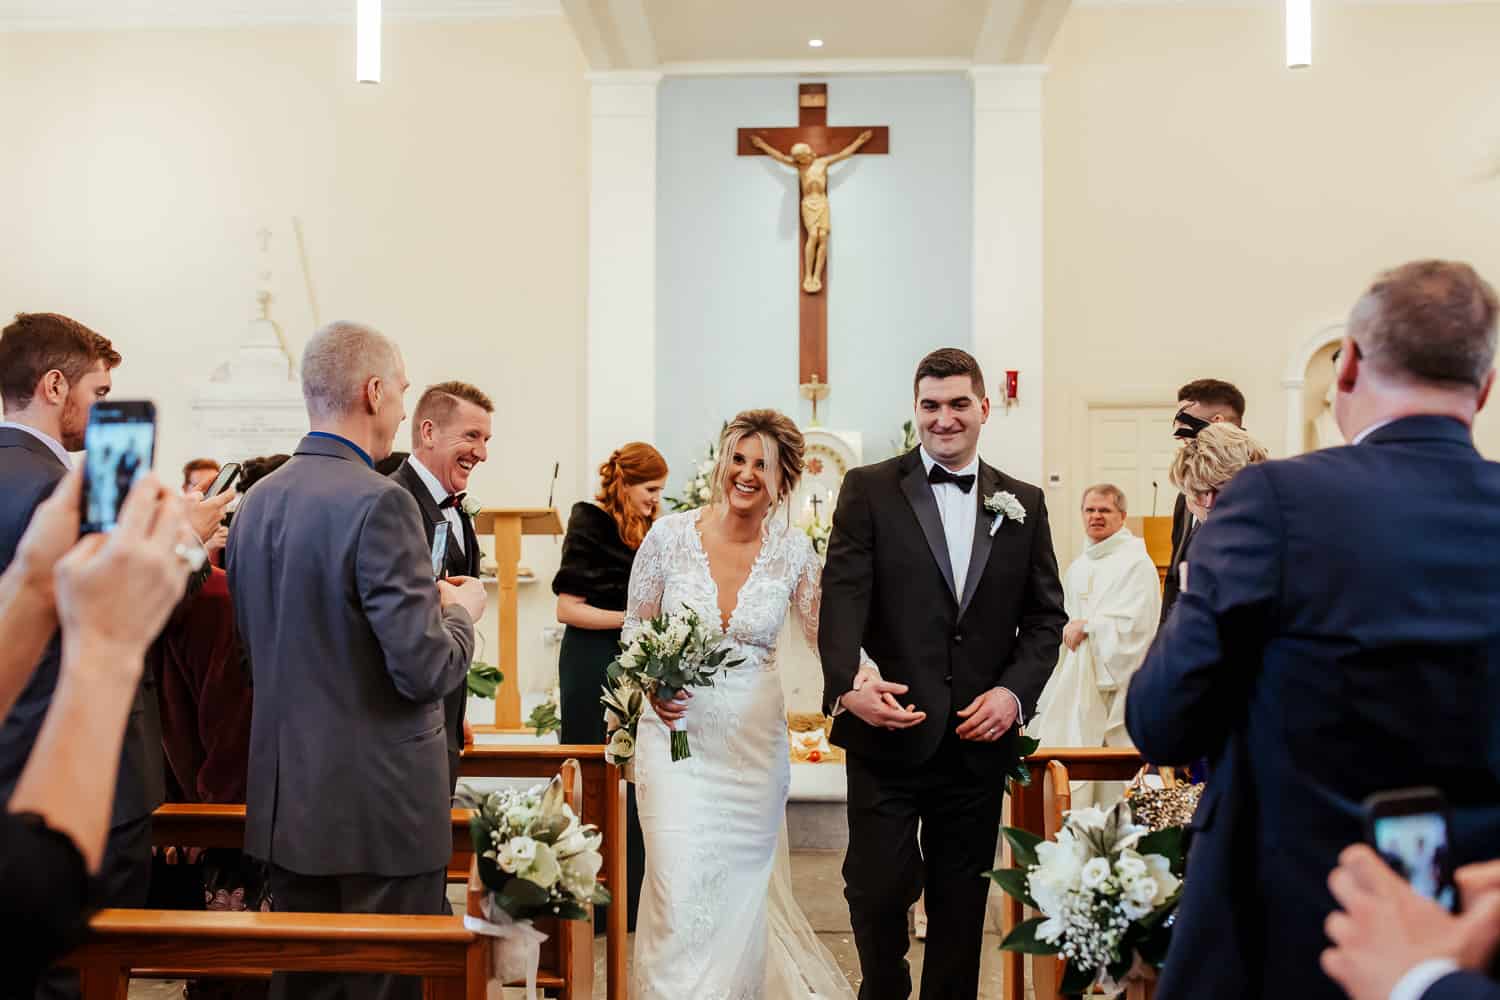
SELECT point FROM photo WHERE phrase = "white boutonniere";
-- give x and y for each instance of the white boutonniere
(471, 506)
(1004, 504)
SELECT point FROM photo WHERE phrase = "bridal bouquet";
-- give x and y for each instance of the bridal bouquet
(667, 655)
(536, 860)
(1105, 888)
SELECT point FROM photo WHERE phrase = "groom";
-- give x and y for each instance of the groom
(941, 568)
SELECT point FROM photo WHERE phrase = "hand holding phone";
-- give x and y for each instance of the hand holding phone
(228, 473)
(1409, 830)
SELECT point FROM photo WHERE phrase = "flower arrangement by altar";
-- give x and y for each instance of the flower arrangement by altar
(1106, 889)
(818, 529)
(535, 859)
(667, 655)
(699, 490)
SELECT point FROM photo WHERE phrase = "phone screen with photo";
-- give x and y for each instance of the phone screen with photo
(439, 549)
(120, 446)
(1415, 845)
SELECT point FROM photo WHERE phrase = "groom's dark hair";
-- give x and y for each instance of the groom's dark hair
(946, 362)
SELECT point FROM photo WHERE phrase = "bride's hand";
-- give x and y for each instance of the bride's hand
(672, 711)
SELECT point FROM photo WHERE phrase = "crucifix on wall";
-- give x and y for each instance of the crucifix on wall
(810, 149)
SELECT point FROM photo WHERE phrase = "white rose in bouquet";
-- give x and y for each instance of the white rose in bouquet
(1095, 873)
(1161, 874)
(544, 869)
(621, 746)
(581, 871)
(516, 854)
(1130, 867)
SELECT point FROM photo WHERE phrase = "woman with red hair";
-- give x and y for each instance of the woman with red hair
(591, 583)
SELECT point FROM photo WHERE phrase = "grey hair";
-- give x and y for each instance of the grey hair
(339, 359)
(1210, 460)
(1106, 490)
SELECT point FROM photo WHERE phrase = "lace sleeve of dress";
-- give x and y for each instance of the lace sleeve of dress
(648, 578)
(807, 596)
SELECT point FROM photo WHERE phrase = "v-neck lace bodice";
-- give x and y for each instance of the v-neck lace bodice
(672, 570)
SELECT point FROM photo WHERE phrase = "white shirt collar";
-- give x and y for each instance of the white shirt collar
(1359, 438)
(47, 439)
(428, 479)
(972, 469)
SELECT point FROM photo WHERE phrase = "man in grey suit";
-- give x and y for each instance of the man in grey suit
(52, 370)
(352, 646)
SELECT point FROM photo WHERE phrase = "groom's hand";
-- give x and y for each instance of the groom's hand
(989, 716)
(873, 701)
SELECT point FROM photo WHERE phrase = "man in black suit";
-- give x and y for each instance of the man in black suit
(941, 568)
(1201, 402)
(450, 435)
(353, 646)
(52, 370)
(1337, 637)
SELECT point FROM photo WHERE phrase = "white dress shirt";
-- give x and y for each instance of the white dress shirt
(456, 524)
(52, 443)
(958, 511)
(1422, 977)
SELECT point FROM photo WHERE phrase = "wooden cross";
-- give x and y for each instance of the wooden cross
(825, 140)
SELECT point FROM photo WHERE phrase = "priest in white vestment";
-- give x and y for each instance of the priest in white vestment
(1112, 594)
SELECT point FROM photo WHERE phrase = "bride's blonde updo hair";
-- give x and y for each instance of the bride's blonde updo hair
(783, 445)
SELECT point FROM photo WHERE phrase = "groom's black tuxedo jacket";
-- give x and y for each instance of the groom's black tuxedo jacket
(888, 588)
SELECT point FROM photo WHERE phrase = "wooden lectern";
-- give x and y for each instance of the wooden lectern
(1157, 532)
(508, 524)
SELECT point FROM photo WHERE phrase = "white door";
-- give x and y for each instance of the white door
(1132, 448)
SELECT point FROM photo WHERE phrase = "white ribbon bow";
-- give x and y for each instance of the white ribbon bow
(517, 947)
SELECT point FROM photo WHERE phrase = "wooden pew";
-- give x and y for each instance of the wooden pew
(179, 824)
(188, 943)
(1029, 810)
(603, 803)
(176, 944)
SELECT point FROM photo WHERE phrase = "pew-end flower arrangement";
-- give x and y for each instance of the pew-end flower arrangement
(1106, 889)
(535, 859)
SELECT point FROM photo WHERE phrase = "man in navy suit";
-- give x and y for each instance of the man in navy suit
(1337, 636)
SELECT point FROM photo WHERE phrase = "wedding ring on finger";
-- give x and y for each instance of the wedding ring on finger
(192, 556)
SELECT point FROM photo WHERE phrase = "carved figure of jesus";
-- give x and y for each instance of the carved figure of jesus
(812, 173)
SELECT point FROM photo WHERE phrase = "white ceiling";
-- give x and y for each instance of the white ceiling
(693, 30)
(45, 15)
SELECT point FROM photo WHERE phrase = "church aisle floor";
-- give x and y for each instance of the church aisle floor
(820, 891)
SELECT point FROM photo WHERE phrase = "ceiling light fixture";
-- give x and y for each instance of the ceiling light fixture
(815, 43)
(367, 41)
(1298, 34)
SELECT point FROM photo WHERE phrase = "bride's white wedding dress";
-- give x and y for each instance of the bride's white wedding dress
(717, 920)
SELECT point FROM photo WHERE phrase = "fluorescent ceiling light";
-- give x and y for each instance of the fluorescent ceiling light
(367, 41)
(1298, 34)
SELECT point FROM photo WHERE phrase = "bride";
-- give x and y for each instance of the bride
(717, 919)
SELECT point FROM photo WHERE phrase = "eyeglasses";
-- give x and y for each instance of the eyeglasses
(1359, 355)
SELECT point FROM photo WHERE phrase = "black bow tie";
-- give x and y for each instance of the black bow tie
(937, 474)
(452, 500)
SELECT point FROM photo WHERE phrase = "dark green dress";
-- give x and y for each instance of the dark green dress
(595, 566)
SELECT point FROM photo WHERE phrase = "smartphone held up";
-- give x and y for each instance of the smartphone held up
(120, 443)
(1409, 829)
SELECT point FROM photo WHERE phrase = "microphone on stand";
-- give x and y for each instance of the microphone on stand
(1153, 498)
(551, 490)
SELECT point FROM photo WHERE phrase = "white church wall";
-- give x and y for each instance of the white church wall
(447, 206)
(901, 255)
(1207, 210)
